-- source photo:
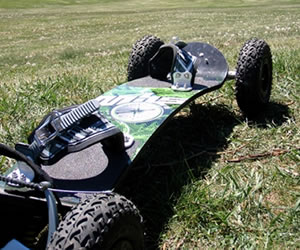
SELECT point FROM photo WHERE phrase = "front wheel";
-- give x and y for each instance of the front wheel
(105, 221)
(254, 77)
(143, 50)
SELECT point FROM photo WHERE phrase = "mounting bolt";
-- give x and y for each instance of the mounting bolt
(14, 175)
(45, 185)
(23, 177)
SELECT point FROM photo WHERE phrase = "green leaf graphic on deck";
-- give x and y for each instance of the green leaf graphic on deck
(125, 89)
(168, 92)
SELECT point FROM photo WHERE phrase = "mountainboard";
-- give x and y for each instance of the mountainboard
(139, 108)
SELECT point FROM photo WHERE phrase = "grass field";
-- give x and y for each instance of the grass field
(212, 179)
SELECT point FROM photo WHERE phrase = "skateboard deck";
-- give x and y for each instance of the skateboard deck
(139, 108)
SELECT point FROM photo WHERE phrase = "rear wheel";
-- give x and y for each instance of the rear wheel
(143, 50)
(106, 221)
(254, 77)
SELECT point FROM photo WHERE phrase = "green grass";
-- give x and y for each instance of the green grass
(215, 179)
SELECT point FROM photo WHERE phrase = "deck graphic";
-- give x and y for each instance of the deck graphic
(139, 111)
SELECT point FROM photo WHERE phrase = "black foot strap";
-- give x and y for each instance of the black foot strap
(174, 60)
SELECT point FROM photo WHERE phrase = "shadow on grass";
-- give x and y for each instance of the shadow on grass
(275, 115)
(183, 151)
